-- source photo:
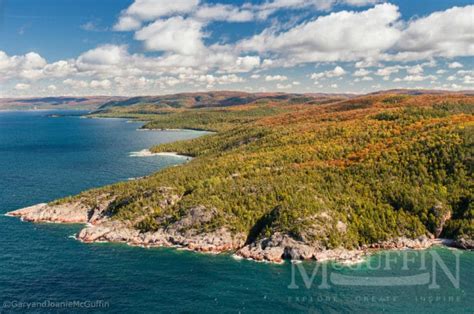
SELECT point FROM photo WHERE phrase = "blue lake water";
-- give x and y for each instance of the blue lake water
(43, 158)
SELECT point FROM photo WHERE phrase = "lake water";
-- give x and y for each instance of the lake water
(42, 267)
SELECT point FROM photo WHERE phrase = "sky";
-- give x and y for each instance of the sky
(153, 47)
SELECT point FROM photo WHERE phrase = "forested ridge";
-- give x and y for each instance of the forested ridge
(345, 172)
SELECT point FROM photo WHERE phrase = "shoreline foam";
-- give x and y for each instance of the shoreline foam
(148, 153)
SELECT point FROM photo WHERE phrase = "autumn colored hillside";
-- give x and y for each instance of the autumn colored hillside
(346, 173)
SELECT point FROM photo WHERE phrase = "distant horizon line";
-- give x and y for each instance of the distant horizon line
(427, 90)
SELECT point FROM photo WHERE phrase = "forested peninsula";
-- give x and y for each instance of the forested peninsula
(288, 176)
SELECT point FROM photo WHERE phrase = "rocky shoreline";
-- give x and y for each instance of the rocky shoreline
(276, 248)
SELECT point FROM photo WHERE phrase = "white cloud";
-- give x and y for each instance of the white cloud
(340, 36)
(336, 72)
(283, 86)
(103, 84)
(369, 35)
(360, 3)
(367, 63)
(147, 10)
(76, 84)
(210, 80)
(52, 87)
(222, 12)
(363, 36)
(240, 64)
(103, 55)
(134, 82)
(416, 69)
(387, 71)
(270, 78)
(455, 65)
(361, 72)
(190, 53)
(5, 61)
(29, 66)
(22, 86)
(127, 23)
(463, 72)
(417, 78)
(229, 79)
(176, 34)
(447, 33)
(95, 67)
(267, 8)
(151, 9)
(60, 68)
(317, 76)
(468, 80)
(92, 26)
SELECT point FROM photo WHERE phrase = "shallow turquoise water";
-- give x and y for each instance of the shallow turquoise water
(44, 158)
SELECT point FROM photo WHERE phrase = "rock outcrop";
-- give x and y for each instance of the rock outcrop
(276, 248)
(281, 246)
(419, 243)
(465, 244)
(187, 233)
(100, 228)
(65, 213)
(217, 241)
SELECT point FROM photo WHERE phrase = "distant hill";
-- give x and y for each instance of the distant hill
(216, 99)
(173, 101)
(219, 99)
(422, 92)
(86, 103)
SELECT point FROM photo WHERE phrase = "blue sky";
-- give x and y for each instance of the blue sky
(146, 47)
